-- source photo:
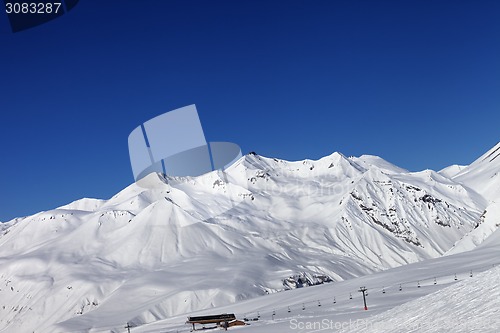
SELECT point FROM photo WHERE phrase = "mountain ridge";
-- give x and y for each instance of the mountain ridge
(253, 227)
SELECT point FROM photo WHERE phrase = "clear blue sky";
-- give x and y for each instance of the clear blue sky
(415, 82)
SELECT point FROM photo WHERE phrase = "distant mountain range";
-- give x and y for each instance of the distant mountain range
(174, 245)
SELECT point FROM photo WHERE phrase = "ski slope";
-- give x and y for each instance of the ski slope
(449, 299)
(468, 306)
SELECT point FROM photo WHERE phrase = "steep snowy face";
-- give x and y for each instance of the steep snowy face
(365, 204)
(483, 175)
(174, 245)
(485, 232)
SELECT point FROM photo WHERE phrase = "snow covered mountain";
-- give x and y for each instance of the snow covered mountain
(483, 176)
(175, 245)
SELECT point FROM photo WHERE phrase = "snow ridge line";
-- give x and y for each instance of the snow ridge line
(493, 152)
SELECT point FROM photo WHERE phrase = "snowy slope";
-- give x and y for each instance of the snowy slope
(177, 245)
(403, 289)
(483, 175)
(452, 170)
(488, 224)
(86, 204)
(492, 241)
(368, 161)
(468, 306)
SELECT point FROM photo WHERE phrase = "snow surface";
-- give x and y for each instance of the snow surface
(483, 175)
(452, 170)
(368, 161)
(488, 224)
(468, 306)
(174, 246)
(445, 282)
(86, 204)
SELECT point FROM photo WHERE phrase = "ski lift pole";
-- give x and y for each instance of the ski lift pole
(363, 290)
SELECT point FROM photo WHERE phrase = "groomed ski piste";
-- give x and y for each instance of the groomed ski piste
(455, 294)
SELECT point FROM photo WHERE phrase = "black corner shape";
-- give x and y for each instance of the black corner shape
(26, 14)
